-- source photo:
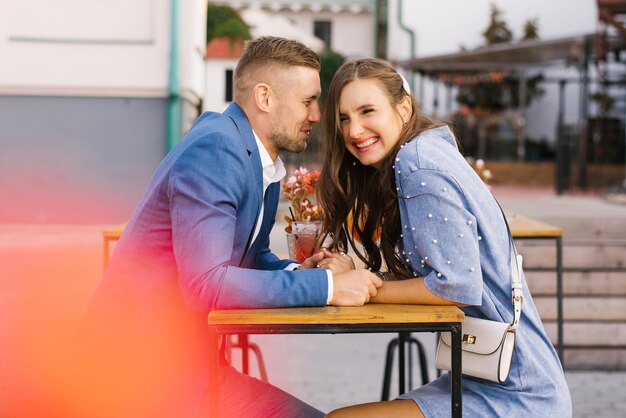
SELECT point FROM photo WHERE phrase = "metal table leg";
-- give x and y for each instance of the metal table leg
(456, 382)
(559, 298)
(401, 357)
(243, 342)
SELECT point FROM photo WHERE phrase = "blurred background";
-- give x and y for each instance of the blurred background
(94, 93)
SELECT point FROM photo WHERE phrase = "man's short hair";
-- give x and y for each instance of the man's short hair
(269, 52)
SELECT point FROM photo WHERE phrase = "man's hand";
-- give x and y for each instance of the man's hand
(336, 262)
(354, 287)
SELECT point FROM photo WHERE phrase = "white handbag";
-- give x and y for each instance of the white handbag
(487, 346)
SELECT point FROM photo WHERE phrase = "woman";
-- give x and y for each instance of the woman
(443, 234)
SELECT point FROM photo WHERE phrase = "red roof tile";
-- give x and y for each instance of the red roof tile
(224, 47)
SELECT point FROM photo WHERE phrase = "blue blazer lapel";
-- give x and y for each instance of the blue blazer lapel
(243, 125)
(269, 216)
(247, 136)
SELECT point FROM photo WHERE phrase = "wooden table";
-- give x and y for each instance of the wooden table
(523, 227)
(337, 320)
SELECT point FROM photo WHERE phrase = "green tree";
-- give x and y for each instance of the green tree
(604, 101)
(331, 61)
(497, 32)
(497, 93)
(225, 21)
(531, 30)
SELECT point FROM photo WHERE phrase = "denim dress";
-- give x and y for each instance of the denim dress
(454, 235)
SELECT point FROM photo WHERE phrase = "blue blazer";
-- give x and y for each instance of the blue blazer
(190, 235)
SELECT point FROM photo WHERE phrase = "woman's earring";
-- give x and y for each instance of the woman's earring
(405, 124)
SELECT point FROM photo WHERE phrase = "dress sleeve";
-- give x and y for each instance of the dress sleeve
(440, 235)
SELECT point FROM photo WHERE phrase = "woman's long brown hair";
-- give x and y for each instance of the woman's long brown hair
(348, 187)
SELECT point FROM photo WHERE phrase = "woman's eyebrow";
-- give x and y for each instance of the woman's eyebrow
(363, 106)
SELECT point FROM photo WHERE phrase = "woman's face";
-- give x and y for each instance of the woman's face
(370, 124)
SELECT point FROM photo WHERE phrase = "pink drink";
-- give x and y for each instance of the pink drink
(304, 246)
(305, 237)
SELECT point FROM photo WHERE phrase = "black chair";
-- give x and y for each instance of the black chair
(403, 342)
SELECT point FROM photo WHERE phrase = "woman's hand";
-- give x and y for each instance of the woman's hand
(336, 262)
(312, 262)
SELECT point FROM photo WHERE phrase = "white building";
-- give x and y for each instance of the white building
(92, 94)
(346, 26)
(222, 54)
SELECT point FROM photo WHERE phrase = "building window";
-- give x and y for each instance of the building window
(322, 30)
(229, 86)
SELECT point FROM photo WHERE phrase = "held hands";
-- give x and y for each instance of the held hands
(354, 287)
(336, 262)
(350, 287)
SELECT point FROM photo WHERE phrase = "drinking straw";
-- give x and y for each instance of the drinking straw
(293, 218)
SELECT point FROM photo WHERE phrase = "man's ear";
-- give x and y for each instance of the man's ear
(262, 94)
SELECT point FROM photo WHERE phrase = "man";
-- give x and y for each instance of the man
(199, 240)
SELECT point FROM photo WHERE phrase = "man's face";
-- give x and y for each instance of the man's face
(297, 108)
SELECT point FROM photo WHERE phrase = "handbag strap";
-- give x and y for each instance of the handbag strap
(516, 278)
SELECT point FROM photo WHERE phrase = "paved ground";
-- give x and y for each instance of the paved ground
(48, 272)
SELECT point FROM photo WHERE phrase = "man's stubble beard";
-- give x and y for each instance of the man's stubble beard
(284, 142)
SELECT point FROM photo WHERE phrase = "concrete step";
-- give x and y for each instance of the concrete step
(577, 283)
(583, 308)
(594, 297)
(595, 228)
(594, 359)
(576, 254)
(587, 333)
(594, 280)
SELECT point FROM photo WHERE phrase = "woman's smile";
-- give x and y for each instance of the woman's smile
(365, 144)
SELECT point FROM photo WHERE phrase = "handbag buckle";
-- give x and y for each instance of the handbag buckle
(469, 339)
